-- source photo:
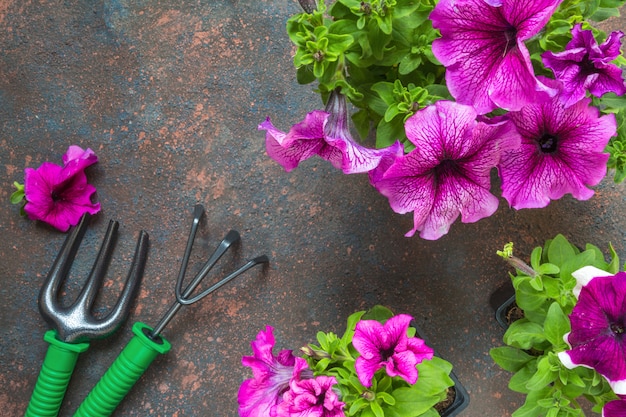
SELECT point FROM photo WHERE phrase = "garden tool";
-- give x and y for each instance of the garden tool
(74, 326)
(147, 343)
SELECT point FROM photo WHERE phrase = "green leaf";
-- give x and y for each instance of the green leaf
(613, 267)
(535, 258)
(556, 325)
(603, 13)
(520, 378)
(530, 407)
(523, 334)
(509, 358)
(385, 397)
(430, 388)
(543, 376)
(526, 296)
(379, 313)
(389, 132)
(377, 409)
(353, 319)
(536, 282)
(548, 269)
(560, 250)
(304, 74)
(18, 196)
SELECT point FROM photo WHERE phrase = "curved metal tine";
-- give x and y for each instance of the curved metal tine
(244, 268)
(198, 212)
(230, 238)
(120, 311)
(60, 269)
(87, 295)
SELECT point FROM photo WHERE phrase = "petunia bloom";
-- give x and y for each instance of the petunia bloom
(482, 47)
(448, 172)
(585, 65)
(598, 335)
(388, 346)
(561, 152)
(326, 134)
(259, 395)
(60, 195)
(311, 398)
(615, 408)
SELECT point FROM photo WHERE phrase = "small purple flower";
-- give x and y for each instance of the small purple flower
(326, 134)
(388, 346)
(59, 195)
(448, 172)
(482, 47)
(259, 395)
(561, 152)
(615, 408)
(311, 398)
(598, 336)
(585, 65)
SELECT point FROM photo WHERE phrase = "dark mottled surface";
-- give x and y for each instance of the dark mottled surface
(169, 95)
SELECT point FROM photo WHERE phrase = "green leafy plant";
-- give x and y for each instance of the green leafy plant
(379, 367)
(387, 396)
(544, 292)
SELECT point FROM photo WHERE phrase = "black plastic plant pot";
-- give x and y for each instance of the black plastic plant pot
(503, 302)
(461, 397)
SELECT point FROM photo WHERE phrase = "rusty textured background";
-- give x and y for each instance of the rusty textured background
(169, 95)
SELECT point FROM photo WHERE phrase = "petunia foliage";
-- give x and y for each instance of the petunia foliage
(378, 367)
(535, 345)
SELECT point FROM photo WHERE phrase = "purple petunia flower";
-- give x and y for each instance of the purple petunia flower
(585, 65)
(388, 346)
(598, 336)
(482, 47)
(324, 133)
(59, 195)
(615, 408)
(561, 152)
(448, 172)
(259, 395)
(311, 398)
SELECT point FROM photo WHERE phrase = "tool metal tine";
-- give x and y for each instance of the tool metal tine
(88, 293)
(230, 238)
(77, 323)
(120, 311)
(63, 262)
(253, 262)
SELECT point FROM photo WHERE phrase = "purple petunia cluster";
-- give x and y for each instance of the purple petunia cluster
(284, 386)
(550, 141)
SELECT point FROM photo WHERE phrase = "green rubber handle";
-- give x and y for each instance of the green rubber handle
(117, 381)
(54, 376)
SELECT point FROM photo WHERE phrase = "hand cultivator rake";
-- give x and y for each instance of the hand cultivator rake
(74, 326)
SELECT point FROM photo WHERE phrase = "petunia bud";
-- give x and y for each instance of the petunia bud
(368, 395)
(337, 124)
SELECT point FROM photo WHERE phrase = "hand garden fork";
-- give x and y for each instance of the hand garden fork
(75, 326)
(147, 343)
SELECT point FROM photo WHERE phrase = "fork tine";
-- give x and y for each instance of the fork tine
(122, 307)
(88, 294)
(60, 269)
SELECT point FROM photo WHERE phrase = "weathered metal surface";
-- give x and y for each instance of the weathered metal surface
(169, 95)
